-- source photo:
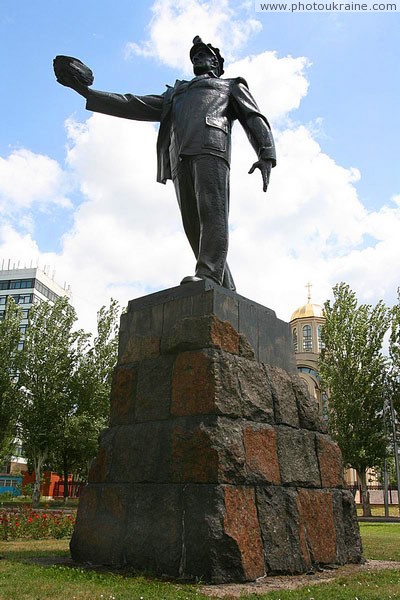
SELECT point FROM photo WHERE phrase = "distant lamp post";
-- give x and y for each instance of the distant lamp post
(388, 408)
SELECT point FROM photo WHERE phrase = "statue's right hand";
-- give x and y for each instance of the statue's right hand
(71, 82)
(73, 73)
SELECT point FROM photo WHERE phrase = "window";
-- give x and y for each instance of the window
(325, 410)
(310, 371)
(2, 314)
(7, 482)
(20, 345)
(24, 299)
(3, 300)
(45, 291)
(18, 450)
(321, 344)
(25, 313)
(4, 285)
(307, 338)
(21, 284)
(295, 340)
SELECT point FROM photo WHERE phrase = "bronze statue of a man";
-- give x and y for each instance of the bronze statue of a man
(194, 146)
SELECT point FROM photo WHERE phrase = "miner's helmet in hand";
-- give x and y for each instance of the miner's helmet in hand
(68, 69)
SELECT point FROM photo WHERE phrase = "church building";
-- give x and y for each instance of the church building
(306, 325)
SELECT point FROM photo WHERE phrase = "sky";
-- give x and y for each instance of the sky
(78, 191)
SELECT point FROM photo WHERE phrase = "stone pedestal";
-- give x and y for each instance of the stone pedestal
(216, 464)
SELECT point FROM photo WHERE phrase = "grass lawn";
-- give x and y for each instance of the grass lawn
(23, 579)
(378, 510)
(381, 541)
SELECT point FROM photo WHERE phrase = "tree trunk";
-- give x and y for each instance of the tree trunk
(385, 488)
(36, 491)
(65, 474)
(4, 423)
(364, 493)
(38, 463)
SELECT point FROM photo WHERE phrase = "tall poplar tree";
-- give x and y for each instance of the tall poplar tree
(49, 359)
(352, 368)
(10, 335)
(88, 412)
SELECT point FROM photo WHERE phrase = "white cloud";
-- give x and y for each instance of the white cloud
(17, 247)
(28, 179)
(223, 23)
(277, 84)
(311, 225)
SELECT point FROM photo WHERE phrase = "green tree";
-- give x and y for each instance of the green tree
(88, 410)
(49, 360)
(10, 335)
(352, 367)
(97, 364)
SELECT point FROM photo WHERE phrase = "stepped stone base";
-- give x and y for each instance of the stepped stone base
(216, 465)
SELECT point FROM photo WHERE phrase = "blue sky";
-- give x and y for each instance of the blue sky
(329, 82)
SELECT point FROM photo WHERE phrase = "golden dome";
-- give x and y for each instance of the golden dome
(307, 311)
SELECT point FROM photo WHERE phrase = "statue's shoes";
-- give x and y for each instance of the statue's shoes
(191, 279)
(196, 278)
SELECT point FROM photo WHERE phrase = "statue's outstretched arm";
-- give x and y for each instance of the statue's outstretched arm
(74, 74)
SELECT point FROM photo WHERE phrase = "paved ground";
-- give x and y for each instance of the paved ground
(269, 584)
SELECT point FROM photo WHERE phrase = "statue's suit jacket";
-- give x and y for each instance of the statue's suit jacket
(195, 118)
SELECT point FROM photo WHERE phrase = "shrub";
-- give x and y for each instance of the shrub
(26, 523)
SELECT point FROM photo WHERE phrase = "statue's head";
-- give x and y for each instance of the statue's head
(205, 58)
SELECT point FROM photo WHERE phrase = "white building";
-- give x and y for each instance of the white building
(27, 287)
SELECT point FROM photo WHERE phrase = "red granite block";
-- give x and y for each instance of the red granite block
(224, 336)
(241, 524)
(193, 384)
(123, 395)
(317, 521)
